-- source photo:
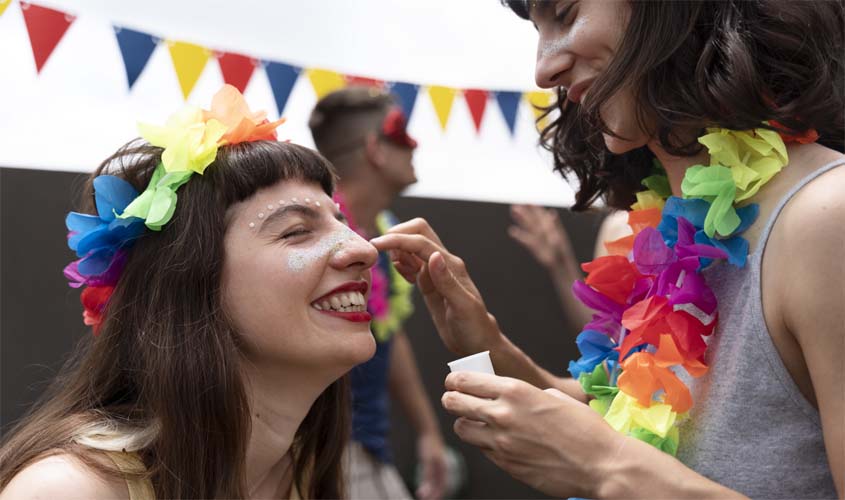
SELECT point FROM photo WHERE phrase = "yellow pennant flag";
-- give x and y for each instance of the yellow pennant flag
(539, 99)
(189, 60)
(442, 98)
(3, 5)
(325, 81)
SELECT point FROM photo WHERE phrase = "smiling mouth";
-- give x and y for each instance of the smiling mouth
(348, 301)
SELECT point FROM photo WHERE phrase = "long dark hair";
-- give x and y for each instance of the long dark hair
(704, 63)
(167, 357)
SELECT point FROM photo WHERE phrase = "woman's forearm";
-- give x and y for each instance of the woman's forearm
(638, 470)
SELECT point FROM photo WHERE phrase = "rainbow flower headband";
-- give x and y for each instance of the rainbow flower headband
(653, 308)
(191, 139)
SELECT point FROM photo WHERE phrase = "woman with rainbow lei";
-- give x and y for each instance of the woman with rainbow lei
(712, 366)
(211, 256)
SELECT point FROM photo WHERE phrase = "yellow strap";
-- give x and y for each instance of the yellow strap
(130, 463)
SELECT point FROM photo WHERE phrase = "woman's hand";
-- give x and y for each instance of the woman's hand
(545, 439)
(456, 306)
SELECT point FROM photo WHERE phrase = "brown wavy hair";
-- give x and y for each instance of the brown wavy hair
(705, 63)
(167, 355)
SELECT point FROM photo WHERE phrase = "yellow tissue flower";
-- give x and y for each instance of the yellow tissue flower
(190, 143)
(625, 414)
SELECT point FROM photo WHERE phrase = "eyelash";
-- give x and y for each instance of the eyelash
(294, 233)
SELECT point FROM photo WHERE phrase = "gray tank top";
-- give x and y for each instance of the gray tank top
(751, 429)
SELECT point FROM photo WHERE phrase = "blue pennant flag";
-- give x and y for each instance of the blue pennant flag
(282, 78)
(509, 104)
(136, 48)
(406, 93)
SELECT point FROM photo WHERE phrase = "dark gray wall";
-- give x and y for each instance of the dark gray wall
(40, 317)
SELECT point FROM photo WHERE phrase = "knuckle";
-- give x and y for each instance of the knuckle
(499, 416)
(502, 442)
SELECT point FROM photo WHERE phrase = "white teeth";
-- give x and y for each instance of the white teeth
(343, 302)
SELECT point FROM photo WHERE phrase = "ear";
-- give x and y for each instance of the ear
(374, 150)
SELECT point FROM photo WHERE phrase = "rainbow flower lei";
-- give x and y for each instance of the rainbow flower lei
(653, 309)
(191, 139)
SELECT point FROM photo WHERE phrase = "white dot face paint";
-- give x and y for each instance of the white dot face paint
(326, 246)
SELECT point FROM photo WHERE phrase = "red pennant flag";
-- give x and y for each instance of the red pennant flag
(364, 81)
(477, 101)
(46, 28)
(236, 68)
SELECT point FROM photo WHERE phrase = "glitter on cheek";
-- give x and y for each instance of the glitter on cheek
(326, 246)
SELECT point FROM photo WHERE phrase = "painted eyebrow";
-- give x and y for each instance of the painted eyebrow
(303, 210)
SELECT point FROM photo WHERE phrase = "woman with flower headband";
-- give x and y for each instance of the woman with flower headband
(227, 300)
(718, 325)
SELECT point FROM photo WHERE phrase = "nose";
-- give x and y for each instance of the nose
(354, 252)
(554, 59)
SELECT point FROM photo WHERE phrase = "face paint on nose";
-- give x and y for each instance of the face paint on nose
(326, 246)
(558, 44)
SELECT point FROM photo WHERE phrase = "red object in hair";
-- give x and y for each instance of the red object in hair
(807, 137)
(393, 128)
(94, 300)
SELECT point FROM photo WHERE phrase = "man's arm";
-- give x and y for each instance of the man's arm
(407, 389)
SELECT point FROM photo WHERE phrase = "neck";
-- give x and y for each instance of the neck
(279, 402)
(676, 166)
(365, 200)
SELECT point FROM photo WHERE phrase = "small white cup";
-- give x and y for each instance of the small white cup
(479, 362)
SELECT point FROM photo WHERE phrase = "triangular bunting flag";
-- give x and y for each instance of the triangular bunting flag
(136, 49)
(282, 77)
(509, 104)
(364, 81)
(406, 93)
(236, 68)
(442, 98)
(325, 81)
(189, 60)
(539, 99)
(46, 28)
(3, 5)
(476, 101)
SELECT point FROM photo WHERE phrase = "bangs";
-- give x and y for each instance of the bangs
(242, 169)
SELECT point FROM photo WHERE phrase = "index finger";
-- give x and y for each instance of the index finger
(415, 244)
(482, 385)
(419, 226)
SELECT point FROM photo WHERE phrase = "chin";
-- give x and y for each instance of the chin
(359, 349)
(619, 146)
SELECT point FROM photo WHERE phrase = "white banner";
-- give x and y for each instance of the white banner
(79, 108)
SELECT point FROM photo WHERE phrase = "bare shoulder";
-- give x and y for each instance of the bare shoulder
(62, 476)
(810, 243)
(817, 211)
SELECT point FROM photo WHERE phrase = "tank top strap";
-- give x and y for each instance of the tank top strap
(767, 229)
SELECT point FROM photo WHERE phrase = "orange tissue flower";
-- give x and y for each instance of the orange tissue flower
(230, 108)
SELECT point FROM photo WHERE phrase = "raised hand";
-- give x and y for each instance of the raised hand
(455, 304)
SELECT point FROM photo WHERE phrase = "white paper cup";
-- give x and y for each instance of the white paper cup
(479, 362)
